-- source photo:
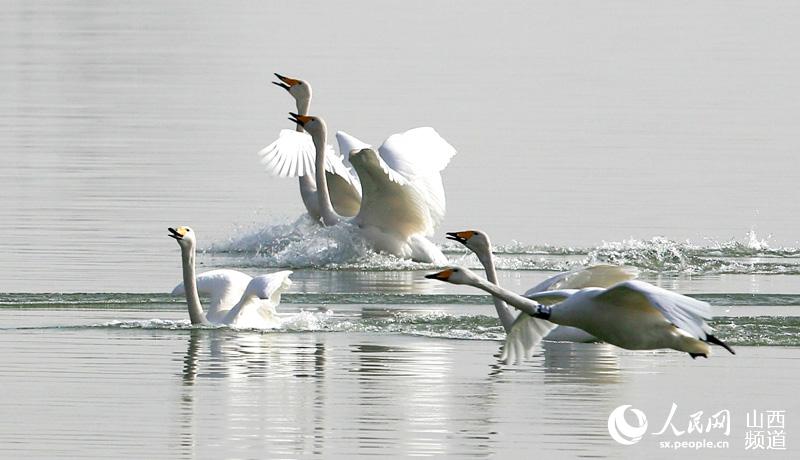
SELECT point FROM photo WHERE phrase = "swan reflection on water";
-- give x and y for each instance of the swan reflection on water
(316, 390)
(235, 354)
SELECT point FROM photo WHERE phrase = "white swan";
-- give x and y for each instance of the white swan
(236, 299)
(293, 156)
(417, 156)
(397, 211)
(517, 325)
(632, 314)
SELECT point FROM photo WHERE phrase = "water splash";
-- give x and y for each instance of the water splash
(305, 244)
(730, 257)
(738, 331)
(657, 254)
(304, 321)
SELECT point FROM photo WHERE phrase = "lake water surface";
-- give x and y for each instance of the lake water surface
(662, 136)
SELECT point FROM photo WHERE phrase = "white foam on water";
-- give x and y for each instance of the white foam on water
(306, 244)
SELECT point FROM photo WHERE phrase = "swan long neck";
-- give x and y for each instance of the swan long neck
(190, 286)
(527, 306)
(302, 109)
(504, 312)
(308, 187)
(326, 211)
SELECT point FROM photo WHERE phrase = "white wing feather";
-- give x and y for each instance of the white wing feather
(293, 155)
(525, 334)
(388, 203)
(270, 287)
(419, 155)
(527, 331)
(257, 307)
(416, 152)
(684, 312)
(223, 287)
(595, 276)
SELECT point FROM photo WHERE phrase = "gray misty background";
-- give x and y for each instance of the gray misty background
(576, 122)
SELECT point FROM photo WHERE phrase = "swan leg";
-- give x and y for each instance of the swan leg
(695, 355)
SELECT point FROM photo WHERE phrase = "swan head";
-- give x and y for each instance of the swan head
(300, 90)
(315, 126)
(477, 241)
(184, 235)
(454, 275)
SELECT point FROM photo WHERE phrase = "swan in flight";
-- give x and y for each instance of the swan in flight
(417, 156)
(294, 156)
(398, 209)
(632, 314)
(236, 299)
(518, 326)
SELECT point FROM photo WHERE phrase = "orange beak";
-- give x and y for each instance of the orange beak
(461, 237)
(441, 276)
(287, 82)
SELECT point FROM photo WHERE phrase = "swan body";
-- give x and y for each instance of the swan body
(520, 328)
(397, 210)
(632, 314)
(237, 299)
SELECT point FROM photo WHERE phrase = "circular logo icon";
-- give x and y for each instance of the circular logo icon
(622, 431)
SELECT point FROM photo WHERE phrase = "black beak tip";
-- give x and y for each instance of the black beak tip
(294, 117)
(174, 234)
(432, 276)
(454, 236)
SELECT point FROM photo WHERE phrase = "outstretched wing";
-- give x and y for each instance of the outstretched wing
(224, 287)
(525, 334)
(416, 152)
(389, 203)
(419, 155)
(270, 287)
(602, 275)
(293, 155)
(256, 309)
(684, 312)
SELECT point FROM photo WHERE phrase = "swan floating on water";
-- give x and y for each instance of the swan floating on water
(236, 298)
(632, 314)
(519, 327)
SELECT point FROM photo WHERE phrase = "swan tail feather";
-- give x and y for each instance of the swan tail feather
(712, 339)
